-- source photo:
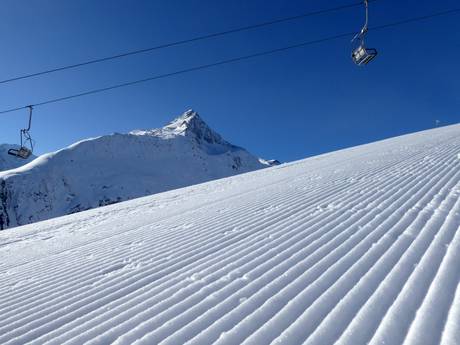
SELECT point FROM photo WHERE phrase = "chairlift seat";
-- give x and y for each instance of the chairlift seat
(23, 152)
(362, 55)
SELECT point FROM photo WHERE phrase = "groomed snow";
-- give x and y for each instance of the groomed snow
(353, 247)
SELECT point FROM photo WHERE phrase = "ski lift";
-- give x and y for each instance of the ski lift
(362, 55)
(27, 147)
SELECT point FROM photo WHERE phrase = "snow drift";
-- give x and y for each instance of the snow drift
(118, 167)
(360, 246)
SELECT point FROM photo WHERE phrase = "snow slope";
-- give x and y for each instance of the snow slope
(353, 247)
(118, 167)
(8, 162)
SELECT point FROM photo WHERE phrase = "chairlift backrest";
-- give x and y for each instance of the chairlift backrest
(24, 152)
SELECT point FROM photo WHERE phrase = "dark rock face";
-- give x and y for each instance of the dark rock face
(4, 217)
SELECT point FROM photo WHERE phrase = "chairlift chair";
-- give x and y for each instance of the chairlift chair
(362, 55)
(22, 152)
(27, 147)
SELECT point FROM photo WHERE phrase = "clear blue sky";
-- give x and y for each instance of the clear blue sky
(288, 106)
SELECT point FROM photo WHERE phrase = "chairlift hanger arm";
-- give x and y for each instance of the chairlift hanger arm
(30, 118)
(366, 25)
(365, 28)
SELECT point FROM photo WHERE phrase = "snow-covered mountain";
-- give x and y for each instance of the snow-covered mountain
(113, 168)
(359, 246)
(8, 162)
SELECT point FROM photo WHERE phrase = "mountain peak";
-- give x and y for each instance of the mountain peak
(187, 121)
(191, 124)
(190, 114)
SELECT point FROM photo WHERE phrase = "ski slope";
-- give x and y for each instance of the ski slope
(359, 246)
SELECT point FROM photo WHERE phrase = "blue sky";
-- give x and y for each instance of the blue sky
(287, 106)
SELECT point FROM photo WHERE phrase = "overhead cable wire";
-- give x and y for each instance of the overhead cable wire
(182, 42)
(233, 60)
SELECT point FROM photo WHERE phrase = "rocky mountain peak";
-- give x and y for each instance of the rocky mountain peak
(190, 123)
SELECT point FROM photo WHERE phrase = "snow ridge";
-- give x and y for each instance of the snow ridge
(113, 168)
(359, 246)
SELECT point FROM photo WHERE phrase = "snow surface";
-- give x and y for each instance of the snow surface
(113, 168)
(359, 246)
(8, 162)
